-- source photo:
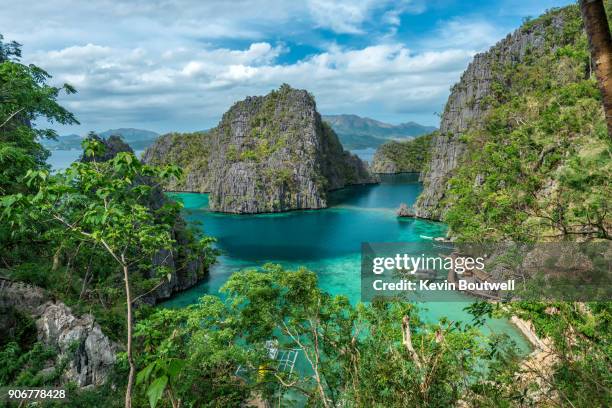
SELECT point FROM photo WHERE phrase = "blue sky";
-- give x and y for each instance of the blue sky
(169, 65)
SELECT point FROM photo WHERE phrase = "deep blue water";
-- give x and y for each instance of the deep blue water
(325, 241)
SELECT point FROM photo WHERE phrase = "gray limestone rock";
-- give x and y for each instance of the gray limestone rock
(269, 153)
(467, 106)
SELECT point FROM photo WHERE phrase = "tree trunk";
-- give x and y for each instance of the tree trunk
(600, 43)
(407, 341)
(128, 298)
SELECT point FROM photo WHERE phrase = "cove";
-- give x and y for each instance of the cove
(325, 241)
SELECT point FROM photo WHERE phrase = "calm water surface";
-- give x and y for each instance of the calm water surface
(325, 241)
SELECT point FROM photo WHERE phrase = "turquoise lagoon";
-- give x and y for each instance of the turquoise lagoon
(325, 241)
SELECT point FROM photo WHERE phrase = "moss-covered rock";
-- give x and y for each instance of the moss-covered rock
(408, 156)
(190, 151)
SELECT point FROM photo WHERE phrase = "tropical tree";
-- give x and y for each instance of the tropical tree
(24, 98)
(600, 44)
(103, 204)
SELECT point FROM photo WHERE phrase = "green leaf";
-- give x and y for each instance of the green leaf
(145, 373)
(156, 389)
(175, 367)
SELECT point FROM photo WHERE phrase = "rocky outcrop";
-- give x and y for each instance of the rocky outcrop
(382, 164)
(268, 154)
(190, 151)
(112, 146)
(91, 355)
(186, 269)
(405, 211)
(273, 153)
(408, 156)
(87, 354)
(469, 102)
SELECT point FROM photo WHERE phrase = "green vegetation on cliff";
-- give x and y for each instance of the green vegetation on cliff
(540, 165)
(189, 151)
(268, 153)
(403, 157)
(541, 155)
(77, 238)
(537, 166)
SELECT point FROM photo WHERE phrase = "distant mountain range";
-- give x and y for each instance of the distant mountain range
(353, 131)
(356, 132)
(138, 139)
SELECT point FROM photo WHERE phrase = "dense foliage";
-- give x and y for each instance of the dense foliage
(540, 166)
(409, 156)
(84, 235)
(349, 355)
(189, 151)
(539, 169)
(90, 232)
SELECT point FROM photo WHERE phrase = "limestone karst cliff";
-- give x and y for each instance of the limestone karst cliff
(189, 151)
(470, 101)
(85, 355)
(407, 156)
(269, 153)
(523, 151)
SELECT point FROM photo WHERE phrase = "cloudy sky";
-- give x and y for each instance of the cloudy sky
(178, 65)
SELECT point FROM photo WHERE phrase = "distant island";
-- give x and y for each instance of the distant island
(409, 156)
(269, 153)
(356, 132)
(137, 139)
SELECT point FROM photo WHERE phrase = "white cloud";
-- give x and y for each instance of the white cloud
(160, 65)
(193, 89)
(460, 32)
(348, 16)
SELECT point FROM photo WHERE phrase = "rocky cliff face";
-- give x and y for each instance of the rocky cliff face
(409, 156)
(89, 355)
(383, 164)
(190, 151)
(268, 154)
(468, 104)
(273, 153)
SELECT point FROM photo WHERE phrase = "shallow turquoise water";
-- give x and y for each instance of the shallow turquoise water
(325, 241)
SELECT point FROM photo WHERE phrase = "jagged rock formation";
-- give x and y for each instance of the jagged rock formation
(89, 355)
(268, 154)
(190, 151)
(405, 211)
(467, 106)
(408, 156)
(112, 146)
